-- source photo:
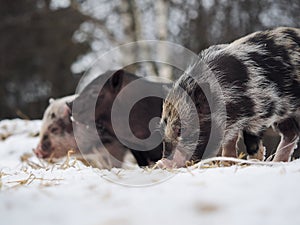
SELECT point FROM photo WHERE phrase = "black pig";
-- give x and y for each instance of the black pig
(140, 116)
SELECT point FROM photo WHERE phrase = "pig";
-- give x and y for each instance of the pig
(57, 138)
(259, 85)
(140, 117)
(56, 134)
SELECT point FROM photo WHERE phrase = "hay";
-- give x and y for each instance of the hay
(217, 162)
(228, 161)
(47, 165)
(1, 175)
(25, 158)
(32, 178)
(66, 164)
(22, 115)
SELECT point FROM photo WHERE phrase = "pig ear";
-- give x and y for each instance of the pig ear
(166, 88)
(201, 96)
(116, 80)
(67, 110)
(51, 100)
(69, 105)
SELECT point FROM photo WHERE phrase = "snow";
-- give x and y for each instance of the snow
(81, 195)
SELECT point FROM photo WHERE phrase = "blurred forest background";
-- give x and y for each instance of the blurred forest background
(47, 45)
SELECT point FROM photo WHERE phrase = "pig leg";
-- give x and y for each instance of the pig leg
(254, 146)
(289, 132)
(229, 149)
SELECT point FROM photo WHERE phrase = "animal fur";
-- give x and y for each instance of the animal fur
(257, 80)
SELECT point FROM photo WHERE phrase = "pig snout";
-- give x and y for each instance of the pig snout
(173, 157)
(168, 149)
(177, 160)
(43, 149)
(40, 153)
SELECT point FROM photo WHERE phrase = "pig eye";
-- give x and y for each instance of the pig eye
(54, 130)
(165, 121)
(100, 127)
(45, 137)
(179, 132)
(52, 115)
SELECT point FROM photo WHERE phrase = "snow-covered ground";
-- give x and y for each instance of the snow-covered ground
(69, 193)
